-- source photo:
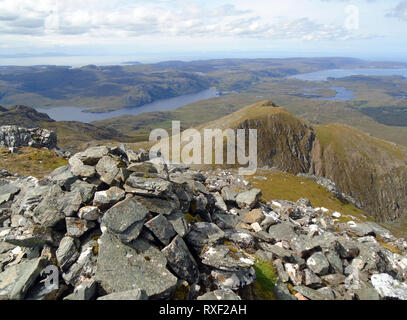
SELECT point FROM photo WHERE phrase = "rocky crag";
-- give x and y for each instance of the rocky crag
(15, 137)
(115, 224)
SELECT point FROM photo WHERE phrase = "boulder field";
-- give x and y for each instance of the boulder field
(116, 225)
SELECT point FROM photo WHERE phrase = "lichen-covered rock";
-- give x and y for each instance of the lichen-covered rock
(389, 288)
(67, 252)
(125, 219)
(104, 199)
(120, 268)
(318, 264)
(181, 260)
(161, 228)
(204, 233)
(248, 199)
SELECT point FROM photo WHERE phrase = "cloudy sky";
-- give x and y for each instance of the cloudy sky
(363, 28)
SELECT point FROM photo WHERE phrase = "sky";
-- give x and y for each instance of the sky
(370, 29)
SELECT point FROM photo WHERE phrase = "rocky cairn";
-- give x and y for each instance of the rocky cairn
(118, 225)
(14, 137)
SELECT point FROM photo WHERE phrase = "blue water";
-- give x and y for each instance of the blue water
(323, 75)
(342, 94)
(78, 114)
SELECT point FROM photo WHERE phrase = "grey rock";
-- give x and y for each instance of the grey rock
(8, 191)
(219, 203)
(282, 231)
(327, 292)
(149, 251)
(33, 236)
(86, 190)
(104, 199)
(318, 264)
(361, 230)
(142, 167)
(282, 274)
(91, 156)
(83, 268)
(248, 199)
(223, 258)
(67, 252)
(334, 279)
(49, 211)
(334, 261)
(222, 294)
(28, 274)
(281, 291)
(181, 260)
(81, 170)
(135, 294)
(120, 268)
(20, 221)
(161, 228)
(311, 293)
(85, 291)
(233, 280)
(229, 195)
(149, 186)
(125, 219)
(112, 170)
(389, 288)
(179, 223)
(197, 186)
(157, 205)
(278, 251)
(367, 292)
(347, 249)
(225, 221)
(199, 204)
(269, 220)
(295, 274)
(204, 233)
(243, 238)
(311, 279)
(14, 136)
(70, 203)
(304, 202)
(76, 227)
(90, 213)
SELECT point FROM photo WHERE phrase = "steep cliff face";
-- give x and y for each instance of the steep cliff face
(284, 141)
(372, 171)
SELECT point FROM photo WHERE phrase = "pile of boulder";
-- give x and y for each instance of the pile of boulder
(114, 224)
(14, 137)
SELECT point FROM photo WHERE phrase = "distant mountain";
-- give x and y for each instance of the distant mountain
(23, 116)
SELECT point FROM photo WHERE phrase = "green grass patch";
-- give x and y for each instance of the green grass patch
(266, 278)
(31, 161)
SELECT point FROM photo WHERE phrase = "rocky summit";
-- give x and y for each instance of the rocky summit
(116, 225)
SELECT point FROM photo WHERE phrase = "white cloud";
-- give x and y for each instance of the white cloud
(400, 11)
(121, 18)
